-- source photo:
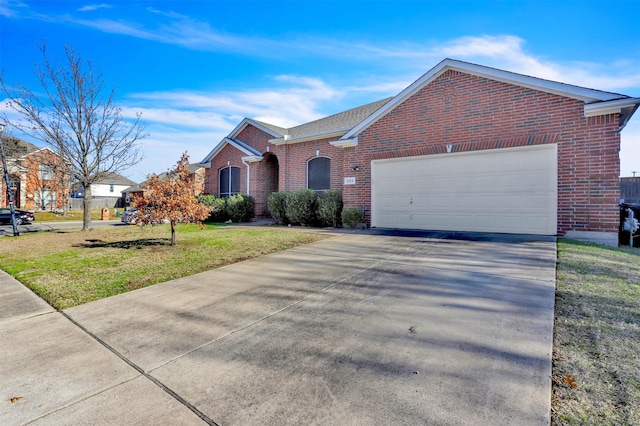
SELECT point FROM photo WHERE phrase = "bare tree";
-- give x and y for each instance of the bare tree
(172, 198)
(76, 116)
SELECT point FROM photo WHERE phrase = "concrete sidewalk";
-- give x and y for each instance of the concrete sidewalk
(355, 329)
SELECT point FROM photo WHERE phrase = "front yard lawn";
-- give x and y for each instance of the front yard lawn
(596, 358)
(69, 268)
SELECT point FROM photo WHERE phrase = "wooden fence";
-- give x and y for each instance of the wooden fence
(97, 203)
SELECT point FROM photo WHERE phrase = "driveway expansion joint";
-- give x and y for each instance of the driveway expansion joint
(136, 367)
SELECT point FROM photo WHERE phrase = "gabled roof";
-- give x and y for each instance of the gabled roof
(275, 129)
(16, 147)
(110, 178)
(267, 128)
(334, 125)
(134, 188)
(233, 141)
(236, 144)
(346, 126)
(597, 101)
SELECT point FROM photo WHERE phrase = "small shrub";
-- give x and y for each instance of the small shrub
(330, 208)
(277, 206)
(240, 208)
(352, 217)
(302, 207)
(219, 212)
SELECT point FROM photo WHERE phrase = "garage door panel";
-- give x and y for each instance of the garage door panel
(507, 190)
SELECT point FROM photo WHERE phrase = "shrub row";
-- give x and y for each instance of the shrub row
(352, 217)
(306, 207)
(237, 208)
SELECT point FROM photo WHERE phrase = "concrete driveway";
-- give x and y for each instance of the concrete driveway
(363, 328)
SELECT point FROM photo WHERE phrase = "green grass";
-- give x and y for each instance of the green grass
(72, 215)
(596, 336)
(72, 267)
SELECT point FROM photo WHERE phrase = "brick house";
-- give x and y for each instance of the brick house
(196, 177)
(463, 148)
(37, 176)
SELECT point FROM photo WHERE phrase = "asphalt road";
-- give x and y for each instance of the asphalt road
(50, 226)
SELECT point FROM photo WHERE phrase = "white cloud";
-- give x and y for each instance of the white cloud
(196, 121)
(297, 100)
(402, 57)
(92, 7)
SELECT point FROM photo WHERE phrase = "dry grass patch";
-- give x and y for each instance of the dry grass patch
(596, 359)
(69, 268)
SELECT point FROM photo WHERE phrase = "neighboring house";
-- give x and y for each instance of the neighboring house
(463, 148)
(108, 185)
(196, 176)
(38, 177)
(130, 192)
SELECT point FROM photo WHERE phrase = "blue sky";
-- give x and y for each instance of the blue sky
(194, 69)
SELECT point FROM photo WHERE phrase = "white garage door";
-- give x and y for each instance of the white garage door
(511, 190)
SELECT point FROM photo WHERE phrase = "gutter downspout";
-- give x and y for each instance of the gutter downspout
(248, 174)
(246, 161)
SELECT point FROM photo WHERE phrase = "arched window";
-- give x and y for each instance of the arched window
(46, 197)
(229, 181)
(319, 174)
(45, 171)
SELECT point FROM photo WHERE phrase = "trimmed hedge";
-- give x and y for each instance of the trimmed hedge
(237, 208)
(277, 206)
(306, 207)
(330, 208)
(240, 208)
(352, 217)
(302, 207)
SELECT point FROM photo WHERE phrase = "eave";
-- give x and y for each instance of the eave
(252, 158)
(206, 162)
(625, 107)
(288, 139)
(345, 143)
(566, 90)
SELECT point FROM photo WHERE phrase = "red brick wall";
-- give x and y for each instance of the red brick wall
(264, 181)
(473, 113)
(293, 163)
(470, 113)
(255, 138)
(228, 154)
(58, 185)
(263, 174)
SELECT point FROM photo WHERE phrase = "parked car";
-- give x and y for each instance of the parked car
(22, 217)
(129, 217)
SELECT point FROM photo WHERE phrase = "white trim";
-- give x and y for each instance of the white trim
(610, 107)
(562, 89)
(229, 139)
(245, 122)
(346, 143)
(228, 166)
(288, 139)
(247, 162)
(222, 144)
